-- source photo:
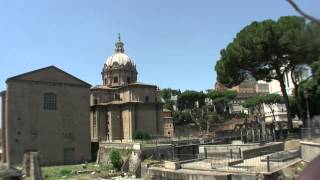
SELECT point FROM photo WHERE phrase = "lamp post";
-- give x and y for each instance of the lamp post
(306, 95)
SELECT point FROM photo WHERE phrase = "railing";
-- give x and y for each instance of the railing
(310, 133)
(161, 140)
(231, 159)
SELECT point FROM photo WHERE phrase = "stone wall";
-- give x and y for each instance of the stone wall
(262, 150)
(134, 154)
(104, 151)
(160, 173)
(62, 135)
(309, 150)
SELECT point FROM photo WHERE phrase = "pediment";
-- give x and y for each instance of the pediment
(49, 74)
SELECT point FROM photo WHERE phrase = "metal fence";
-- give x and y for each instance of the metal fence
(310, 133)
(230, 159)
(257, 164)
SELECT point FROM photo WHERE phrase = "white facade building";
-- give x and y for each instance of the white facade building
(263, 88)
(280, 113)
(301, 74)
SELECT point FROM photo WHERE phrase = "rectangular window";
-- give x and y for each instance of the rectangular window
(50, 101)
(115, 79)
(117, 97)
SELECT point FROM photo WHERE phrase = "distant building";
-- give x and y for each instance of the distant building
(246, 87)
(262, 88)
(46, 110)
(280, 113)
(174, 99)
(168, 128)
(121, 105)
(300, 74)
(219, 87)
(245, 90)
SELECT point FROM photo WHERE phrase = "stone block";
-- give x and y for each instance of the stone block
(172, 165)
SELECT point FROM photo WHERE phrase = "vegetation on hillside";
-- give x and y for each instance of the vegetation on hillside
(268, 50)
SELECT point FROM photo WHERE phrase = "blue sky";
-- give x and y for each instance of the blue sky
(175, 43)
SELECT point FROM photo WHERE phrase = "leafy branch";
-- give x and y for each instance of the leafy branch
(302, 13)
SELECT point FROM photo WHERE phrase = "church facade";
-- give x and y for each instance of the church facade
(46, 110)
(121, 105)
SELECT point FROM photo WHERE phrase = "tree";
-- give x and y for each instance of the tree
(116, 160)
(182, 118)
(166, 93)
(188, 99)
(138, 134)
(168, 104)
(302, 13)
(212, 118)
(254, 105)
(311, 88)
(270, 100)
(266, 50)
(315, 67)
(220, 99)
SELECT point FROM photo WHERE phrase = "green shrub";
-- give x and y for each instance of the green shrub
(116, 160)
(65, 172)
(138, 134)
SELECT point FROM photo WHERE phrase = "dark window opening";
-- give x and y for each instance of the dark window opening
(115, 79)
(147, 98)
(95, 101)
(50, 101)
(128, 80)
(117, 96)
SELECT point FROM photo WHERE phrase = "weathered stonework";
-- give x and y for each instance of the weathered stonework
(168, 128)
(57, 127)
(121, 105)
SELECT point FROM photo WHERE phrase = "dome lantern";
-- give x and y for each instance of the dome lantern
(119, 45)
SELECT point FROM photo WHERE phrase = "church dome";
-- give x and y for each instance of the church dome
(119, 57)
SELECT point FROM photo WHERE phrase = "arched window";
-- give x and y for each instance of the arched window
(50, 101)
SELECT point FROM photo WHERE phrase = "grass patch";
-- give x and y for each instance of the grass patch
(68, 171)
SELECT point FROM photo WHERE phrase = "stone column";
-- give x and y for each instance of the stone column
(4, 122)
(31, 166)
(35, 169)
(253, 135)
(26, 164)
